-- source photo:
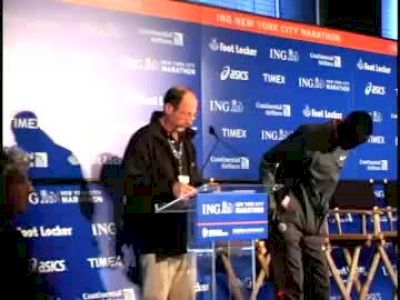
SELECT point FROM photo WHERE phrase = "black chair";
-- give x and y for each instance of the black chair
(353, 195)
(391, 188)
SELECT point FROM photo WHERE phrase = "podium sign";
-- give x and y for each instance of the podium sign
(233, 215)
(219, 214)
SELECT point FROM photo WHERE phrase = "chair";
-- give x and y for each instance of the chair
(356, 198)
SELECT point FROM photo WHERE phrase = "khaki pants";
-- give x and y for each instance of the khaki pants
(172, 278)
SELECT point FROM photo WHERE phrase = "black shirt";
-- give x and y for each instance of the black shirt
(18, 280)
(150, 171)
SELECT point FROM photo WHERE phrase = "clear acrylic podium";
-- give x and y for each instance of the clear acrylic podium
(225, 221)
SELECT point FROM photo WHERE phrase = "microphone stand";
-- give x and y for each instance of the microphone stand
(209, 156)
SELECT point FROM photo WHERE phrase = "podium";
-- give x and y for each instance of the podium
(224, 222)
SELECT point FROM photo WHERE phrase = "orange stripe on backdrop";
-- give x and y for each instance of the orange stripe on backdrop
(246, 22)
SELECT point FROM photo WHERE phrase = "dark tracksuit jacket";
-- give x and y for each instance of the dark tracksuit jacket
(308, 166)
(150, 170)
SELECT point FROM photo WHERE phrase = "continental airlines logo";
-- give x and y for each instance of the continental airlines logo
(373, 67)
(219, 46)
(228, 73)
(124, 294)
(39, 159)
(375, 165)
(275, 110)
(328, 84)
(173, 38)
(334, 61)
(231, 163)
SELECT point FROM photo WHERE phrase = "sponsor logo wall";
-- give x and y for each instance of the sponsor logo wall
(100, 74)
(287, 84)
(72, 232)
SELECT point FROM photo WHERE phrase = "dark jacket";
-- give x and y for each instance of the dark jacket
(150, 171)
(18, 281)
(308, 165)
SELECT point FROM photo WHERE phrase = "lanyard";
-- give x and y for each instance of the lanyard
(177, 154)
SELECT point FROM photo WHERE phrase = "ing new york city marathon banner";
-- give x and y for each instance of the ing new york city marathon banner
(267, 87)
(82, 78)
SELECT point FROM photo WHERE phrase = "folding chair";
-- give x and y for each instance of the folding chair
(356, 198)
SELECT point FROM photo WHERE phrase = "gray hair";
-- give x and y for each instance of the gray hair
(14, 161)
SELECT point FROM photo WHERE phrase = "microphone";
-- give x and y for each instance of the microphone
(212, 131)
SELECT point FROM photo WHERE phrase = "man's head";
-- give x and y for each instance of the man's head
(354, 130)
(180, 107)
(15, 185)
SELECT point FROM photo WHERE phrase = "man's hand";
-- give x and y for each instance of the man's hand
(184, 191)
(285, 202)
(214, 185)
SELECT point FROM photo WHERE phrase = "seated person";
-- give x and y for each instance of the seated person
(17, 278)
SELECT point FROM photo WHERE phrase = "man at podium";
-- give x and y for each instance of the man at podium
(308, 164)
(159, 166)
